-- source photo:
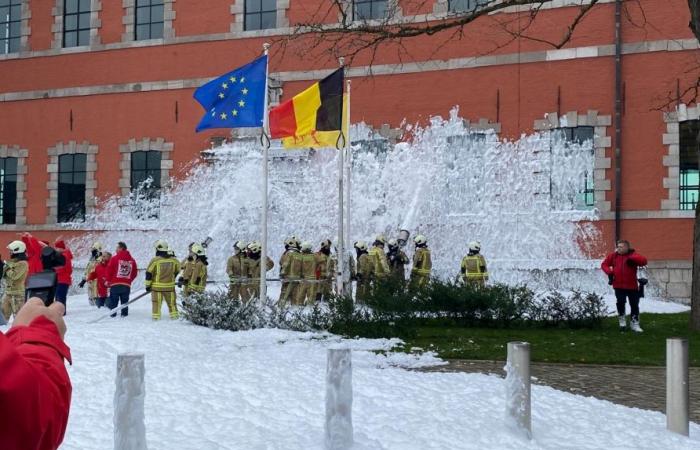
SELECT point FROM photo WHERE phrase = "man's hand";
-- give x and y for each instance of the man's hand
(35, 308)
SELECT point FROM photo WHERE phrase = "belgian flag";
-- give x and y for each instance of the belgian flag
(312, 118)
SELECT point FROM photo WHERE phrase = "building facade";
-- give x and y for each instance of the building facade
(96, 98)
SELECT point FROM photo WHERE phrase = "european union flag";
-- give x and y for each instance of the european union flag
(236, 99)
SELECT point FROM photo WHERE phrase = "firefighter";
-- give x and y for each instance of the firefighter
(306, 292)
(95, 258)
(194, 277)
(473, 269)
(289, 244)
(326, 271)
(14, 274)
(397, 260)
(422, 262)
(237, 270)
(187, 263)
(378, 257)
(253, 267)
(160, 280)
(364, 271)
(292, 273)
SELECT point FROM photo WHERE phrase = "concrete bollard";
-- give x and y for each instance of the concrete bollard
(129, 417)
(518, 388)
(677, 392)
(338, 428)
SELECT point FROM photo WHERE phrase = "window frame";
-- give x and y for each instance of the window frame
(372, 5)
(688, 193)
(8, 200)
(78, 29)
(150, 6)
(10, 19)
(586, 195)
(64, 211)
(147, 171)
(259, 14)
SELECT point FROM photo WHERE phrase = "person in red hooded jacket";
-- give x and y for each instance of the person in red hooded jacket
(35, 390)
(621, 268)
(64, 273)
(121, 272)
(34, 247)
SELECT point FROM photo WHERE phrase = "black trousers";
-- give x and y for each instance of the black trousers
(633, 295)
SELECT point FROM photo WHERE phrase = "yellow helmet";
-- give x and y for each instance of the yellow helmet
(17, 247)
(97, 246)
(198, 250)
(161, 246)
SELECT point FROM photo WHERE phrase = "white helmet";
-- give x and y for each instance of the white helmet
(380, 238)
(475, 246)
(306, 246)
(97, 246)
(361, 245)
(170, 252)
(240, 245)
(326, 243)
(420, 240)
(393, 243)
(198, 250)
(291, 241)
(161, 246)
(255, 247)
(17, 247)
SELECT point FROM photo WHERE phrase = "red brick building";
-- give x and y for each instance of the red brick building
(87, 87)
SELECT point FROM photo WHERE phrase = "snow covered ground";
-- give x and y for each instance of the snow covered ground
(264, 389)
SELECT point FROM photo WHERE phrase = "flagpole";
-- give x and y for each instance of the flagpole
(340, 252)
(348, 167)
(265, 146)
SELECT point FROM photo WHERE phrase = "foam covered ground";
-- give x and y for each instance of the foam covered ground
(264, 389)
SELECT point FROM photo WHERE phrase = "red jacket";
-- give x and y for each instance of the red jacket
(623, 268)
(99, 274)
(35, 390)
(121, 269)
(64, 274)
(34, 247)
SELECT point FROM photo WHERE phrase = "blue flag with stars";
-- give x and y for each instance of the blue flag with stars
(236, 99)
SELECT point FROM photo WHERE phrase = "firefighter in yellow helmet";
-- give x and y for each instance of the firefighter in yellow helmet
(422, 262)
(95, 254)
(364, 272)
(194, 277)
(237, 270)
(254, 261)
(326, 270)
(14, 274)
(187, 263)
(160, 280)
(379, 259)
(306, 292)
(397, 260)
(292, 271)
(291, 244)
(473, 270)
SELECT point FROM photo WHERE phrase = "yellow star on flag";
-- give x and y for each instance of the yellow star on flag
(233, 79)
(223, 116)
(221, 95)
(244, 91)
(224, 85)
(241, 103)
(234, 112)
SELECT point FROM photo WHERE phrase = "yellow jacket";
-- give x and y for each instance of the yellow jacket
(161, 274)
(381, 263)
(422, 262)
(15, 274)
(196, 276)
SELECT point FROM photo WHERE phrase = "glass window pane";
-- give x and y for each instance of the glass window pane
(79, 160)
(13, 46)
(71, 6)
(70, 39)
(14, 30)
(15, 12)
(157, 14)
(153, 160)
(143, 15)
(252, 21)
(65, 178)
(79, 178)
(156, 2)
(582, 134)
(143, 32)
(4, 14)
(4, 27)
(252, 6)
(85, 5)
(269, 5)
(379, 10)
(363, 11)
(157, 30)
(84, 21)
(70, 22)
(268, 20)
(4, 2)
(65, 163)
(138, 161)
(84, 37)
(10, 166)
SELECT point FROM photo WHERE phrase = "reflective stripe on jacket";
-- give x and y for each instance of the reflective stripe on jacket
(161, 274)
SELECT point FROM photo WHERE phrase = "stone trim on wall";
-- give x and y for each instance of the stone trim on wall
(671, 279)
(95, 25)
(672, 139)
(238, 12)
(602, 144)
(129, 21)
(145, 144)
(14, 151)
(90, 180)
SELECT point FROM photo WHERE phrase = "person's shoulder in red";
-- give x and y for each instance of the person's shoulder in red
(65, 272)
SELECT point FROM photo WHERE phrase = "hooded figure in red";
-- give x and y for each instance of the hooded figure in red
(34, 247)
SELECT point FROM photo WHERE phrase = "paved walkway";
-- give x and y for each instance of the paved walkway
(635, 386)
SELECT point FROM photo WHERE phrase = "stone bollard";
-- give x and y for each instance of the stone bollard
(338, 428)
(129, 417)
(518, 388)
(677, 391)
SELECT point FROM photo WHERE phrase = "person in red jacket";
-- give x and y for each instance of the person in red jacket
(64, 273)
(34, 247)
(35, 390)
(621, 268)
(121, 272)
(99, 275)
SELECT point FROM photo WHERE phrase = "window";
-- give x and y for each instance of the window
(8, 190)
(572, 161)
(149, 19)
(10, 16)
(369, 9)
(460, 6)
(145, 172)
(260, 14)
(71, 187)
(689, 188)
(76, 23)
